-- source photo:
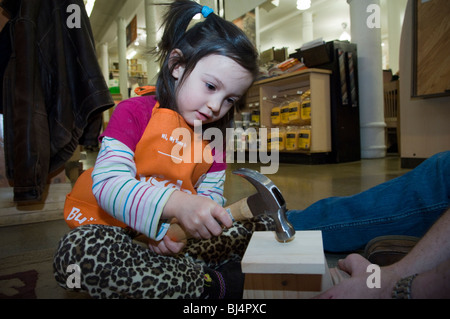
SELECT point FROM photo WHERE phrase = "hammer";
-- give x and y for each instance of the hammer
(267, 200)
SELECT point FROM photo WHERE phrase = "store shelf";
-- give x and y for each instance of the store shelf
(270, 91)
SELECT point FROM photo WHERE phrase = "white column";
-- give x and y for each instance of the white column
(105, 61)
(367, 37)
(151, 25)
(122, 48)
(307, 26)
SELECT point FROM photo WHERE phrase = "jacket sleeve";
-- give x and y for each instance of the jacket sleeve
(133, 202)
(54, 91)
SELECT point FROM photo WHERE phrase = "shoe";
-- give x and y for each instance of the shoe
(387, 250)
(226, 282)
(234, 279)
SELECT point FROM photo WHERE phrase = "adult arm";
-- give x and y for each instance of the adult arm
(429, 259)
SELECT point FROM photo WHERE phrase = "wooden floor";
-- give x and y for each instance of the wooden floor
(31, 234)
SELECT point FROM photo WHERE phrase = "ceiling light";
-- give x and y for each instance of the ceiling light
(198, 16)
(345, 36)
(303, 4)
(131, 54)
(269, 5)
(89, 4)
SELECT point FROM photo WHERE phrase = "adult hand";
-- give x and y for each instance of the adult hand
(356, 286)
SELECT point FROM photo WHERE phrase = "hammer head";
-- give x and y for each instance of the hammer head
(268, 200)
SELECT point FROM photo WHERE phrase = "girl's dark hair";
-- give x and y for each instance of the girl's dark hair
(213, 35)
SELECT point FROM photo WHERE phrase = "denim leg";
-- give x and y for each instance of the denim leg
(406, 205)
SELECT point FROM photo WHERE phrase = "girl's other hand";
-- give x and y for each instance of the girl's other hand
(166, 246)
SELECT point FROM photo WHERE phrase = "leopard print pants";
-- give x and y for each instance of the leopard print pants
(112, 265)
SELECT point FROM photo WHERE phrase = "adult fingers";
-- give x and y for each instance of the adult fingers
(354, 264)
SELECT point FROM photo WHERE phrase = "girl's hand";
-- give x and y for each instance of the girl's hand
(166, 246)
(200, 216)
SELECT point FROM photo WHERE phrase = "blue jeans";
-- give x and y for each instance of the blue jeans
(407, 205)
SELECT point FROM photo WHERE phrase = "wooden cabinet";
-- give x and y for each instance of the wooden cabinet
(270, 92)
(432, 48)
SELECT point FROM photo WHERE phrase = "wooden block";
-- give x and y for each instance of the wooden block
(285, 270)
(280, 286)
(302, 255)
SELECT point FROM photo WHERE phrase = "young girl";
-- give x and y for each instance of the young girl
(141, 186)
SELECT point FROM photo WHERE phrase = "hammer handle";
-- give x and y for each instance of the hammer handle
(238, 210)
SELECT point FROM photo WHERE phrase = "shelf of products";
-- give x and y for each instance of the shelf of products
(298, 104)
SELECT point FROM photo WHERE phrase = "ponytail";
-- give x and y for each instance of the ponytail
(176, 22)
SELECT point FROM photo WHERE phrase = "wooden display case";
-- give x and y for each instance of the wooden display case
(268, 92)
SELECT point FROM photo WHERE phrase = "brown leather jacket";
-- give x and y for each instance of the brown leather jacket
(54, 93)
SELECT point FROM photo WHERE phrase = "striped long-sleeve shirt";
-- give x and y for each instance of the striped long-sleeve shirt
(138, 203)
(135, 202)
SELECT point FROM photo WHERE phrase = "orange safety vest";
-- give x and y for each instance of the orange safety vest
(165, 156)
